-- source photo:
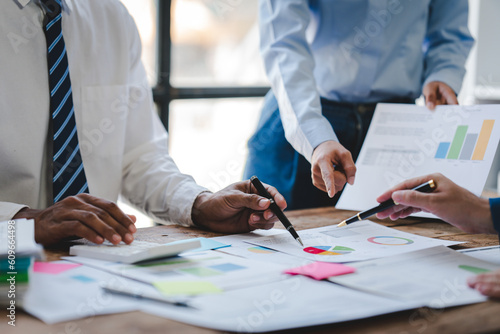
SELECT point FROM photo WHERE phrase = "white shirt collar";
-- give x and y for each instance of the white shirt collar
(66, 4)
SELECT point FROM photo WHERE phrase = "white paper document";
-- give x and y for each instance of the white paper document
(223, 270)
(258, 253)
(294, 302)
(360, 241)
(74, 294)
(406, 141)
(436, 277)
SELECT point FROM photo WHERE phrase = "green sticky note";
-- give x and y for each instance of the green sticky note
(186, 287)
(201, 271)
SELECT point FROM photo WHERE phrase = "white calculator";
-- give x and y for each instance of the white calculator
(135, 252)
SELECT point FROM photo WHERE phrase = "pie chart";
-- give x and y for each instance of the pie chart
(328, 250)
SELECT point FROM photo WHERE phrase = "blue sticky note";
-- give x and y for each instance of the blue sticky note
(208, 244)
(226, 267)
(83, 278)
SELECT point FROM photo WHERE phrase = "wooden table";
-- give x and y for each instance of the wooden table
(477, 318)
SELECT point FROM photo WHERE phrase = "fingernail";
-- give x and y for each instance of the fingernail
(256, 218)
(116, 238)
(132, 228)
(129, 238)
(351, 180)
(396, 196)
(99, 240)
(270, 216)
(263, 203)
(471, 280)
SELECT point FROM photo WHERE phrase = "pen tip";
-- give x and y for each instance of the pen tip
(300, 241)
(342, 224)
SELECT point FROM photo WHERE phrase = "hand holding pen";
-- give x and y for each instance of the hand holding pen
(388, 204)
(449, 201)
(275, 208)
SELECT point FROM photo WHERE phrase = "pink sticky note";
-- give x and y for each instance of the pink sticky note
(321, 270)
(53, 268)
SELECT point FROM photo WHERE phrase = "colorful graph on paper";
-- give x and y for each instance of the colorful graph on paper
(328, 250)
(466, 145)
(261, 250)
(474, 270)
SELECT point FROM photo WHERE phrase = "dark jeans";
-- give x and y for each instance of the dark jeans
(275, 162)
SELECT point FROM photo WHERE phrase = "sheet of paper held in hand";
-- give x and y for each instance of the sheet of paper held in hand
(360, 241)
(406, 141)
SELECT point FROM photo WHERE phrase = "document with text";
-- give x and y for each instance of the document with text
(405, 141)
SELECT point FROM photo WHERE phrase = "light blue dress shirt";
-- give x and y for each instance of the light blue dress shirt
(357, 51)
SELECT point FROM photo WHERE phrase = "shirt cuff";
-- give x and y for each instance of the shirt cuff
(180, 205)
(449, 77)
(495, 213)
(317, 133)
(9, 210)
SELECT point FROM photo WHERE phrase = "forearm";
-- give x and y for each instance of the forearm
(448, 43)
(155, 185)
(290, 66)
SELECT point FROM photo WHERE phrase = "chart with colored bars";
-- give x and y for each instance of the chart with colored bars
(328, 250)
(260, 250)
(466, 146)
(474, 270)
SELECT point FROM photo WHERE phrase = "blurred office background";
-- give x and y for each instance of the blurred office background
(202, 57)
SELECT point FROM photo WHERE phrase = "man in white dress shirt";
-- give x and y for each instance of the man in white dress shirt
(121, 141)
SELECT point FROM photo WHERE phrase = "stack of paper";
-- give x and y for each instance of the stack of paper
(18, 248)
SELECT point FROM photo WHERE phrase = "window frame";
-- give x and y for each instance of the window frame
(164, 92)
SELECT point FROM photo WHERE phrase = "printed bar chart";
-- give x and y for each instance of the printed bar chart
(484, 138)
(442, 150)
(458, 141)
(470, 142)
(466, 146)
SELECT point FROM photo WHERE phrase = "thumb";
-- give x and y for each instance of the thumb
(412, 198)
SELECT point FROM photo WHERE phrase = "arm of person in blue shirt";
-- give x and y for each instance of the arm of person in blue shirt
(447, 45)
(455, 205)
(289, 65)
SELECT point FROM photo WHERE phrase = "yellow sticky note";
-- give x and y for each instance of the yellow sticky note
(186, 287)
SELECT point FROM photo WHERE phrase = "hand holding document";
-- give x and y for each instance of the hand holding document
(406, 141)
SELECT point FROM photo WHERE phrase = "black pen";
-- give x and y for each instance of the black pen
(275, 208)
(426, 187)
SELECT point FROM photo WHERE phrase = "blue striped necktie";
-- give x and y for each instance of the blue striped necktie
(68, 173)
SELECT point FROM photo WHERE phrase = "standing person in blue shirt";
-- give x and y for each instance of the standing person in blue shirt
(329, 64)
(454, 205)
